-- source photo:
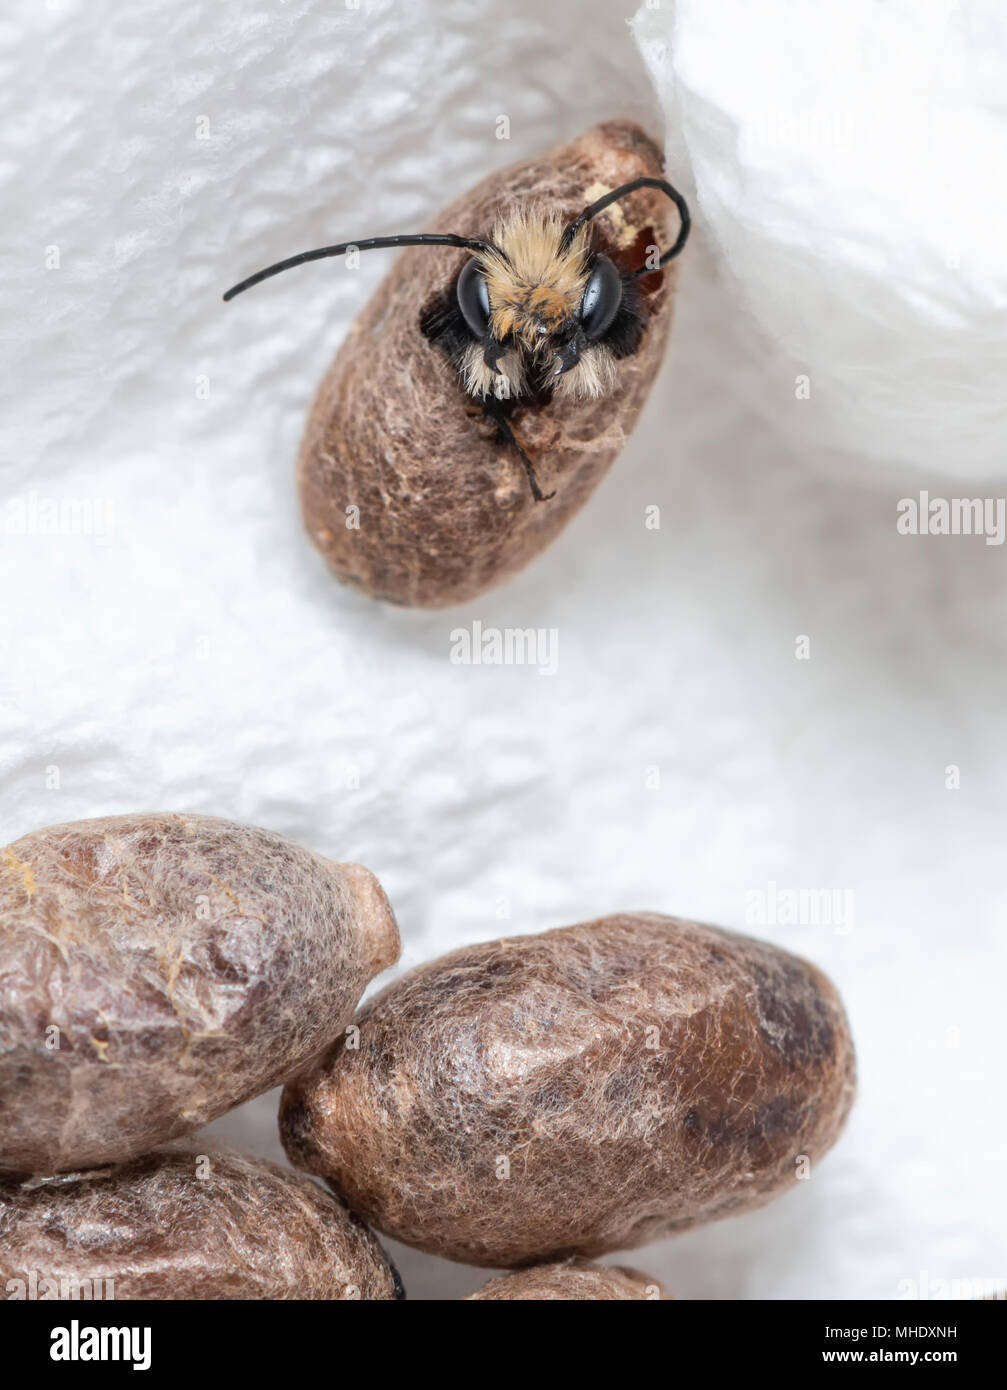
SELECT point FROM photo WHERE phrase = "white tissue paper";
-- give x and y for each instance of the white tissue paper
(777, 687)
(850, 164)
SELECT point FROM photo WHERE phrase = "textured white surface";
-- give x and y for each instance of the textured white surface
(203, 660)
(850, 159)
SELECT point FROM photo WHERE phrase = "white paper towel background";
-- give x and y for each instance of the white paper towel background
(202, 659)
(850, 161)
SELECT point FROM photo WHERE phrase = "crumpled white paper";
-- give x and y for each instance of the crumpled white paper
(171, 640)
(850, 163)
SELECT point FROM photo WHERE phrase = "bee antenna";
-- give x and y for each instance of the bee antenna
(664, 187)
(370, 244)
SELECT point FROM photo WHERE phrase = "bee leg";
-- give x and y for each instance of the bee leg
(494, 412)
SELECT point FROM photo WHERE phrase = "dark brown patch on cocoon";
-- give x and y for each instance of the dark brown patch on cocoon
(578, 1092)
(167, 1226)
(572, 1281)
(445, 508)
(791, 1012)
(187, 963)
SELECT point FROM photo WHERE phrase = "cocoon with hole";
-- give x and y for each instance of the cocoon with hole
(406, 487)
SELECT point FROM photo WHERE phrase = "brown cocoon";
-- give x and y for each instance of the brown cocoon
(445, 511)
(188, 1222)
(578, 1092)
(572, 1281)
(156, 970)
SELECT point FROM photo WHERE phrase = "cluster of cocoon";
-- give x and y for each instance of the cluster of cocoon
(523, 1102)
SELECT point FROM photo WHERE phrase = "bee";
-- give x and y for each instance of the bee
(536, 312)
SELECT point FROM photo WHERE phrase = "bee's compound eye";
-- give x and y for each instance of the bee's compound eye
(473, 299)
(601, 299)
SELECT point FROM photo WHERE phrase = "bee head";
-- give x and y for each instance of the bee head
(533, 307)
(538, 304)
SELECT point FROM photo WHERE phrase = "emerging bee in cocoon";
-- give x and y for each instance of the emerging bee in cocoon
(536, 312)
